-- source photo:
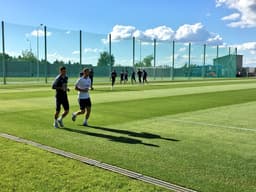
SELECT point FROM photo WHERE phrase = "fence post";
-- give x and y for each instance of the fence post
(173, 52)
(110, 66)
(3, 59)
(45, 54)
(203, 72)
(133, 51)
(189, 52)
(154, 59)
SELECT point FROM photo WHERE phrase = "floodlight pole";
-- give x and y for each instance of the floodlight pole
(110, 67)
(3, 59)
(80, 38)
(37, 43)
(45, 54)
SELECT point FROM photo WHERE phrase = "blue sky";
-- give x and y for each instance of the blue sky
(224, 22)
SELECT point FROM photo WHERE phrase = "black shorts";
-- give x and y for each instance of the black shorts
(84, 103)
(62, 100)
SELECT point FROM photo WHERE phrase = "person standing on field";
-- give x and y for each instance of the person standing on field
(83, 85)
(113, 78)
(133, 79)
(60, 85)
(91, 74)
(139, 73)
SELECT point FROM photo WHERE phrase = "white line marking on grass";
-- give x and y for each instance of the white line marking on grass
(213, 125)
(102, 165)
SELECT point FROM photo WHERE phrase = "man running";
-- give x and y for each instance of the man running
(60, 85)
(83, 85)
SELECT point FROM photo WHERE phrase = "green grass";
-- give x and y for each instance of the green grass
(196, 134)
(25, 168)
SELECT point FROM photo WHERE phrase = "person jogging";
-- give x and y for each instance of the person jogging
(83, 85)
(60, 85)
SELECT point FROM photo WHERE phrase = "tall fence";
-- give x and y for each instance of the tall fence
(36, 52)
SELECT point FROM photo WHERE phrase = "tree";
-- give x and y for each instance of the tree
(7, 57)
(28, 56)
(146, 62)
(105, 59)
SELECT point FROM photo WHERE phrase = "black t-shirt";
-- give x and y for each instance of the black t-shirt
(113, 75)
(60, 82)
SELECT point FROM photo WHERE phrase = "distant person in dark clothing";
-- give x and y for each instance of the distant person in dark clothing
(139, 73)
(60, 84)
(145, 75)
(113, 78)
(133, 79)
(125, 76)
(91, 74)
(121, 77)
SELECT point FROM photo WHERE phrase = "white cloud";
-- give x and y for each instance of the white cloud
(93, 50)
(248, 46)
(68, 32)
(76, 52)
(233, 16)
(161, 33)
(55, 56)
(39, 33)
(185, 33)
(122, 32)
(192, 33)
(246, 10)
(182, 49)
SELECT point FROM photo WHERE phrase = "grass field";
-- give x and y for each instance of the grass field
(199, 134)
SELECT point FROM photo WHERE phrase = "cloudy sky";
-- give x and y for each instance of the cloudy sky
(212, 22)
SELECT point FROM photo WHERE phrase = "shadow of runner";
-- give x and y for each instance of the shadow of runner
(134, 134)
(110, 137)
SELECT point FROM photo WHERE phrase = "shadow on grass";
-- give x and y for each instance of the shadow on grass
(133, 134)
(111, 137)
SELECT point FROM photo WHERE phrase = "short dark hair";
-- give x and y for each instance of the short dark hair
(86, 69)
(62, 68)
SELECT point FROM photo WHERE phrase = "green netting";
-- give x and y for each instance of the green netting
(63, 48)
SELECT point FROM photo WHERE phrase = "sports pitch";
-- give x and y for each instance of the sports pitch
(197, 134)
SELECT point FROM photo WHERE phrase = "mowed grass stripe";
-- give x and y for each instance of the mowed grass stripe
(19, 103)
(43, 91)
(241, 116)
(116, 112)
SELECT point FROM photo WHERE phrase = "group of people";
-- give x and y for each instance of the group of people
(142, 76)
(82, 85)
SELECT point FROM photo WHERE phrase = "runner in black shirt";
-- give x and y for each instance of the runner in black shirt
(60, 85)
